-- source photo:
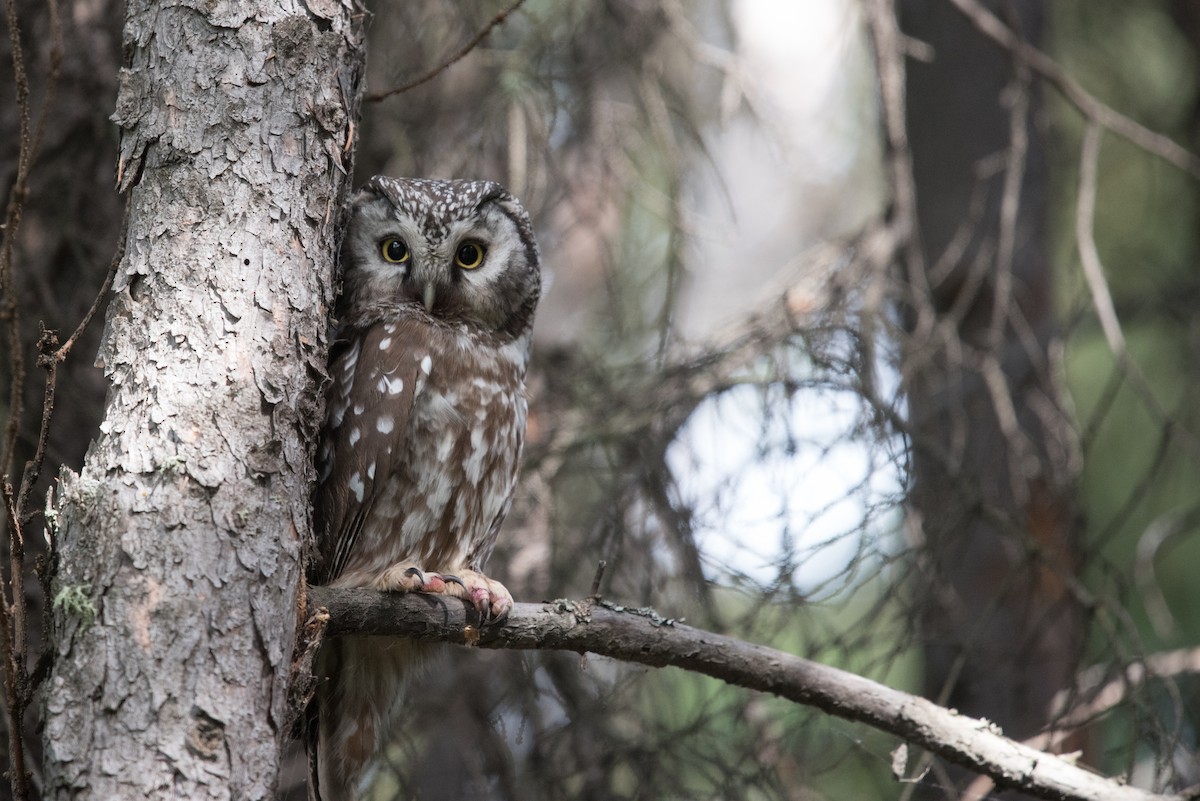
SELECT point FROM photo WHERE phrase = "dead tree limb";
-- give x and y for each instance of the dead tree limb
(644, 637)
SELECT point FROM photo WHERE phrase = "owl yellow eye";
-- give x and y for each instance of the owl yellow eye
(394, 250)
(469, 255)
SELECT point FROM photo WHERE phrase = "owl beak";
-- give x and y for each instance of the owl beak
(427, 297)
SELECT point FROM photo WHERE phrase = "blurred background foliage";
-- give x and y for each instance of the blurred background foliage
(722, 408)
(1141, 468)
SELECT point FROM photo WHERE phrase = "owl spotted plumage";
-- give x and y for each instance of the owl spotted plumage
(424, 430)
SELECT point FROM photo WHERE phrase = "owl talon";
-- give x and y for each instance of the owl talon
(489, 597)
(452, 579)
(408, 578)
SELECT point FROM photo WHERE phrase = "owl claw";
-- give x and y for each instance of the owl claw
(452, 579)
(489, 597)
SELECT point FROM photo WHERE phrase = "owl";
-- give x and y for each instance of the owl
(423, 434)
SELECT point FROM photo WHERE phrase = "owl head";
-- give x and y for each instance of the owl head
(461, 251)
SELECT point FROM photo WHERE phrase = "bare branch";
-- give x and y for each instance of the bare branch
(1163, 147)
(461, 53)
(1105, 696)
(889, 63)
(10, 311)
(60, 355)
(644, 637)
(13, 620)
(1089, 256)
(1102, 301)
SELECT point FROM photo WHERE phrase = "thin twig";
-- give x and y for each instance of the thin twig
(47, 344)
(889, 49)
(10, 311)
(1002, 291)
(12, 602)
(1093, 273)
(598, 578)
(471, 44)
(1104, 697)
(1151, 141)
(14, 667)
(13, 613)
(61, 354)
(1010, 205)
(52, 355)
(1089, 256)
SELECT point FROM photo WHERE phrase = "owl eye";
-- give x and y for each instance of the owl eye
(469, 255)
(394, 250)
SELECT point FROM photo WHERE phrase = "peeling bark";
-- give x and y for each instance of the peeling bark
(186, 527)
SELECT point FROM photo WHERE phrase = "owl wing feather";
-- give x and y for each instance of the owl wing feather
(371, 404)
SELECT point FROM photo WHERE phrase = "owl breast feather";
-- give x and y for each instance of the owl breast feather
(432, 471)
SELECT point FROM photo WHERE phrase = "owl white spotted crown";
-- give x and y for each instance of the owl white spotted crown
(434, 203)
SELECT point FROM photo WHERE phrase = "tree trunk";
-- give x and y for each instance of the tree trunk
(183, 535)
(994, 464)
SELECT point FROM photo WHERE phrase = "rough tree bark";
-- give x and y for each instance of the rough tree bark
(183, 533)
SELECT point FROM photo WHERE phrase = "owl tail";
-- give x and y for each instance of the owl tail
(356, 708)
(312, 741)
(340, 736)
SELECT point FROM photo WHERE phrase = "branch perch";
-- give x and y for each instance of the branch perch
(593, 626)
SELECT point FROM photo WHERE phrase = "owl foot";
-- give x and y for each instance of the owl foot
(489, 597)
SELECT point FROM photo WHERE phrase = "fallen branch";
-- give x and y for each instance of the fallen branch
(642, 636)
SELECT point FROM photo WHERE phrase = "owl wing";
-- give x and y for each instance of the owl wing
(377, 372)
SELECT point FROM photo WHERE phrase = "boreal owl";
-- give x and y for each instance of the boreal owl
(423, 433)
